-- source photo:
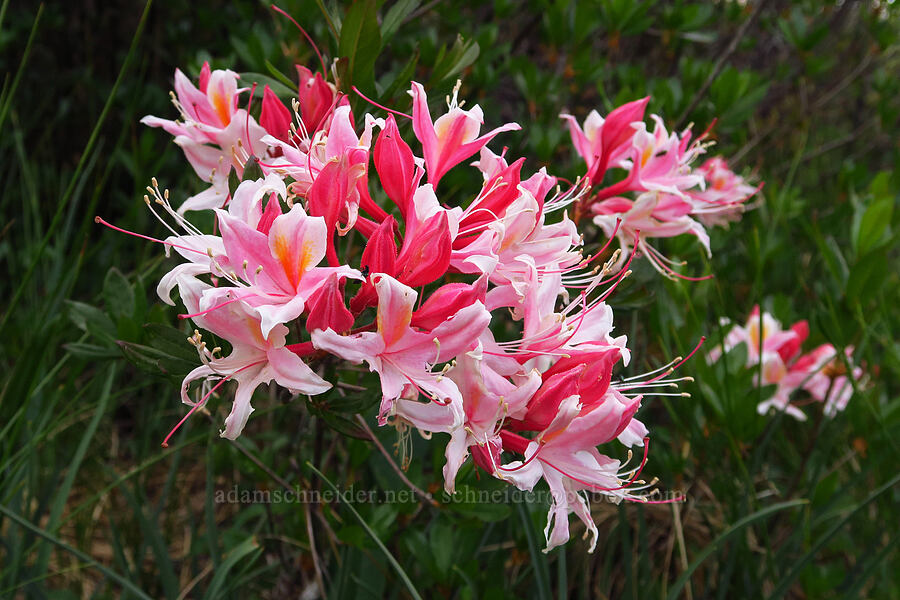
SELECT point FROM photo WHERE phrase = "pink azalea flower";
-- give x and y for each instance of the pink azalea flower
(826, 377)
(603, 143)
(766, 332)
(651, 215)
(403, 356)
(214, 133)
(279, 267)
(256, 358)
(565, 455)
(724, 196)
(453, 137)
(487, 398)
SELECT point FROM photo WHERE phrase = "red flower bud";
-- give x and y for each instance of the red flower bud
(272, 210)
(379, 256)
(544, 405)
(327, 309)
(275, 118)
(448, 300)
(395, 165)
(425, 256)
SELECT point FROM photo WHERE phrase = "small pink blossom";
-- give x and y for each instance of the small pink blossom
(453, 137)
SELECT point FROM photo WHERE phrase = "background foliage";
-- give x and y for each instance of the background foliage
(806, 96)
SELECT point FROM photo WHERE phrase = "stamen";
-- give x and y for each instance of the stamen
(306, 35)
(382, 107)
(208, 310)
(101, 221)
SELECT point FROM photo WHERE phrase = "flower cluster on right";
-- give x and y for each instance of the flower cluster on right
(822, 373)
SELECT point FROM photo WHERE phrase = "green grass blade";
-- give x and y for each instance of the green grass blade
(400, 572)
(7, 101)
(717, 543)
(538, 558)
(785, 583)
(77, 553)
(59, 502)
(76, 176)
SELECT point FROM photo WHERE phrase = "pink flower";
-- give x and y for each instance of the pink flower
(603, 143)
(397, 170)
(565, 455)
(828, 379)
(318, 99)
(403, 356)
(275, 117)
(764, 331)
(652, 215)
(214, 133)
(256, 358)
(279, 266)
(487, 398)
(453, 137)
(723, 199)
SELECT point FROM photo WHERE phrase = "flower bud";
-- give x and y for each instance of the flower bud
(327, 309)
(275, 118)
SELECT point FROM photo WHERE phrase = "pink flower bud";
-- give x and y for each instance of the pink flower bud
(791, 347)
(272, 210)
(544, 405)
(395, 165)
(327, 309)
(316, 98)
(204, 77)
(426, 255)
(379, 256)
(275, 117)
(595, 372)
(448, 300)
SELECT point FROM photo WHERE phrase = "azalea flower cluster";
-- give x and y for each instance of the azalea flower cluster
(481, 313)
(822, 372)
(643, 184)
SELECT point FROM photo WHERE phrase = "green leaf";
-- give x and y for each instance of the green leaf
(281, 77)
(395, 17)
(92, 320)
(867, 276)
(233, 182)
(538, 558)
(360, 44)
(449, 64)
(873, 225)
(252, 170)
(118, 295)
(464, 501)
(170, 340)
(344, 426)
(90, 351)
(143, 357)
(358, 402)
(277, 86)
(440, 539)
(234, 558)
(336, 420)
